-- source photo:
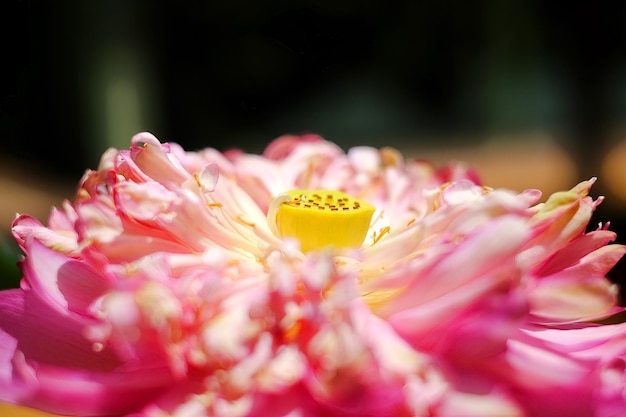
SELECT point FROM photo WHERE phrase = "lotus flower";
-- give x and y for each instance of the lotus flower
(309, 281)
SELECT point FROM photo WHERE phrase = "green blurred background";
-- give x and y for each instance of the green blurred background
(532, 92)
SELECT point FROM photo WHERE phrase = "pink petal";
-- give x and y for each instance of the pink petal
(143, 201)
(152, 160)
(578, 248)
(479, 255)
(129, 247)
(364, 158)
(280, 148)
(563, 299)
(586, 341)
(62, 219)
(57, 370)
(65, 283)
(557, 224)
(58, 339)
(579, 292)
(25, 226)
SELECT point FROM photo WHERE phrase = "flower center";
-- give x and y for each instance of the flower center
(320, 218)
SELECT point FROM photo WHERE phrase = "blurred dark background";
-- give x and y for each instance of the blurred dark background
(531, 92)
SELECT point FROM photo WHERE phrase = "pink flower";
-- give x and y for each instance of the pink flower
(229, 284)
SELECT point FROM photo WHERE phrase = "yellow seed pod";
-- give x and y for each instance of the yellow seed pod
(320, 218)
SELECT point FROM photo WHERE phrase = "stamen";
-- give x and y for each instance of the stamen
(383, 232)
(320, 218)
(379, 298)
(243, 220)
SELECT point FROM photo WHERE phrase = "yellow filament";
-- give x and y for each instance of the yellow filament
(383, 232)
(378, 298)
(320, 218)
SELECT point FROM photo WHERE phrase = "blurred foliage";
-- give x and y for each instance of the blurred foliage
(9, 255)
(87, 75)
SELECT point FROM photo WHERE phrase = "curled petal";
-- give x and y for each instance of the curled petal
(154, 162)
(25, 227)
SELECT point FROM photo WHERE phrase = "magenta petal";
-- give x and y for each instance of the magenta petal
(10, 307)
(63, 282)
(48, 364)
(44, 335)
(87, 394)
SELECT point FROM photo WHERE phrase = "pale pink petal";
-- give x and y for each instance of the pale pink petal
(143, 201)
(491, 404)
(150, 157)
(460, 192)
(579, 292)
(261, 179)
(564, 298)
(364, 158)
(280, 148)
